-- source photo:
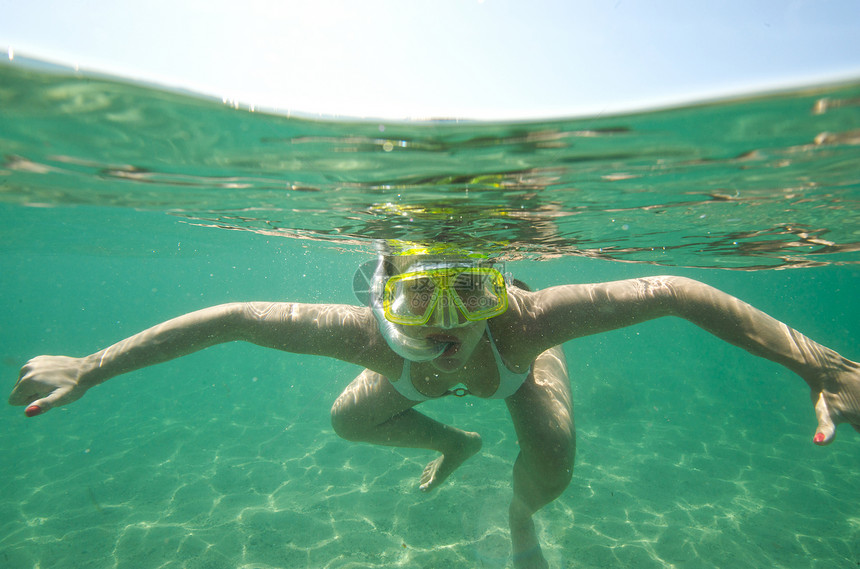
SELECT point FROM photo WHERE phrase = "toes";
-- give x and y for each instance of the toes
(428, 477)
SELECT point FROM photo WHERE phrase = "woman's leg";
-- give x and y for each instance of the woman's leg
(542, 413)
(371, 410)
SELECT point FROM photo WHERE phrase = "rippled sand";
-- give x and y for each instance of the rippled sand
(243, 481)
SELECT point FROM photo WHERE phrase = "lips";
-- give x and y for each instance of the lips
(452, 343)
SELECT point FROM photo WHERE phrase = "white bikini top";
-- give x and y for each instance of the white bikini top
(509, 382)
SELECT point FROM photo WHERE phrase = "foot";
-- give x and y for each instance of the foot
(526, 547)
(438, 470)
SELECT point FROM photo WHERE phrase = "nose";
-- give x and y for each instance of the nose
(447, 315)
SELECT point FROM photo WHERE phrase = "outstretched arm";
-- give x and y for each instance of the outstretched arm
(571, 311)
(333, 330)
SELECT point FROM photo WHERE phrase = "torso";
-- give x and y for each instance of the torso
(481, 375)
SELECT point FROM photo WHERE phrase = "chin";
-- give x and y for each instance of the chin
(444, 364)
(456, 360)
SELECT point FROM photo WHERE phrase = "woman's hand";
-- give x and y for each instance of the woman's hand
(46, 382)
(837, 400)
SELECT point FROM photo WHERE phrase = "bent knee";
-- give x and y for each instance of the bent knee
(552, 468)
(346, 425)
(354, 422)
(555, 477)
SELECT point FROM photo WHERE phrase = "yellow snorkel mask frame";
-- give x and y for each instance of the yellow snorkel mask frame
(449, 294)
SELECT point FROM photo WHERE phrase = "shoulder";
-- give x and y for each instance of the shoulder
(516, 333)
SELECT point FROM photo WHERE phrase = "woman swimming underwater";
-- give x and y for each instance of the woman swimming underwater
(440, 321)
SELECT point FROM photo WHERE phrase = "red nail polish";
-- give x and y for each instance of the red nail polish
(33, 410)
(819, 437)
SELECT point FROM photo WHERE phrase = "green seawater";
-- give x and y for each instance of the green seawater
(122, 205)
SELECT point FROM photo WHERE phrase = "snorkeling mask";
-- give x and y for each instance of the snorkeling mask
(434, 294)
(439, 294)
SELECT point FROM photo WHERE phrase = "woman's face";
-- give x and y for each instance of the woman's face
(459, 339)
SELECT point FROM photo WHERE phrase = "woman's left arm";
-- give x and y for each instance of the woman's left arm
(566, 312)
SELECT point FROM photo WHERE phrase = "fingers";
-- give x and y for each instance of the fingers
(44, 404)
(17, 396)
(22, 396)
(25, 389)
(45, 382)
(33, 410)
(826, 427)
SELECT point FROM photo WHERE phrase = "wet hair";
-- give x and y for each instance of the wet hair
(521, 285)
(389, 269)
(390, 252)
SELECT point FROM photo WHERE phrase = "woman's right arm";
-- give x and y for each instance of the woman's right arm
(333, 330)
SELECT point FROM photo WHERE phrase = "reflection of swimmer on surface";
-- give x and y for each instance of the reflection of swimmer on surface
(439, 318)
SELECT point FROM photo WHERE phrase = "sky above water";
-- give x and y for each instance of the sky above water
(487, 59)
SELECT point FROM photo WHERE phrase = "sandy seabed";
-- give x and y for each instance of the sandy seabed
(218, 487)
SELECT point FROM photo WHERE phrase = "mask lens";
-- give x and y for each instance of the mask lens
(480, 293)
(410, 298)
